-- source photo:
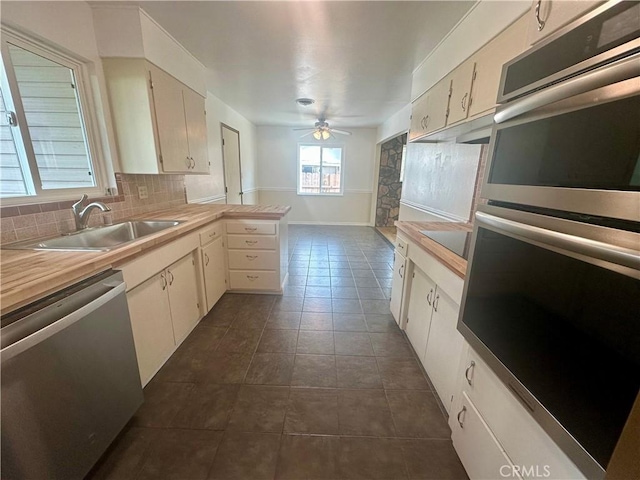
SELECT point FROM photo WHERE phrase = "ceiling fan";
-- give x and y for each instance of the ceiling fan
(322, 130)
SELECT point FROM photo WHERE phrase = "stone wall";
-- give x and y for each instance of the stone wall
(389, 184)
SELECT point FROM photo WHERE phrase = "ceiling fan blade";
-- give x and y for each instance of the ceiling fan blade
(305, 128)
(305, 134)
(341, 132)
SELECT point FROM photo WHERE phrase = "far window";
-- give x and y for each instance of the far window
(320, 170)
(45, 149)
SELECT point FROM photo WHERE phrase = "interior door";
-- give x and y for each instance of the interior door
(232, 167)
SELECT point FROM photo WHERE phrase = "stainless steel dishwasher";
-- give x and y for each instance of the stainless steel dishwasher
(70, 379)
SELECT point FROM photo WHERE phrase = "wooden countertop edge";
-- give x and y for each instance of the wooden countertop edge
(452, 261)
(92, 263)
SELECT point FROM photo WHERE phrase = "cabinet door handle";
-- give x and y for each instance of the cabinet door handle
(435, 303)
(464, 102)
(252, 277)
(468, 371)
(212, 234)
(251, 258)
(425, 122)
(401, 271)
(188, 162)
(172, 278)
(250, 229)
(206, 259)
(194, 163)
(164, 281)
(541, 22)
(250, 242)
(460, 414)
(429, 297)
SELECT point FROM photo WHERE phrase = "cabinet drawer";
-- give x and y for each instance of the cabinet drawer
(401, 247)
(252, 260)
(253, 280)
(210, 233)
(251, 228)
(523, 439)
(253, 242)
(479, 451)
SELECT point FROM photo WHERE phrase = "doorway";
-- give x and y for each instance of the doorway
(231, 164)
(392, 154)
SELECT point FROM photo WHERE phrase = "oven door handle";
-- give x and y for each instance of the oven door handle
(600, 77)
(583, 246)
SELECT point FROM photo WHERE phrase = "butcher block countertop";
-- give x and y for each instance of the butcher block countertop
(452, 261)
(27, 275)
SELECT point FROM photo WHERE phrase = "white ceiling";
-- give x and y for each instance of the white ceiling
(354, 58)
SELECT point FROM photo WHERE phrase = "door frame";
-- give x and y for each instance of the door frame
(224, 162)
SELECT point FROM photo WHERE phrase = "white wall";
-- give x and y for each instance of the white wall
(482, 23)
(210, 188)
(395, 125)
(69, 26)
(277, 164)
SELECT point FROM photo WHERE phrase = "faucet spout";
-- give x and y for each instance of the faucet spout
(81, 215)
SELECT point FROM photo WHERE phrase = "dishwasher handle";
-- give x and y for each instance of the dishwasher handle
(41, 335)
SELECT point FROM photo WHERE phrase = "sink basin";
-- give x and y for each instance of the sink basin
(98, 239)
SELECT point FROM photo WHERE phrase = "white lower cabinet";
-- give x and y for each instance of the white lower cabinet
(151, 324)
(444, 347)
(528, 446)
(419, 311)
(431, 328)
(255, 251)
(397, 286)
(479, 450)
(163, 310)
(214, 272)
(183, 296)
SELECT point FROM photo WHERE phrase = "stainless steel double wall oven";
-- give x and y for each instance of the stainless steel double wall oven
(552, 294)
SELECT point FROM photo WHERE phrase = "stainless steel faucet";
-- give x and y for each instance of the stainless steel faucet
(81, 215)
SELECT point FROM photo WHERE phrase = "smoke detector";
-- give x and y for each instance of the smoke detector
(305, 102)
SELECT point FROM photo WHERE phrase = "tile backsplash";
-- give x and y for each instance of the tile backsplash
(39, 220)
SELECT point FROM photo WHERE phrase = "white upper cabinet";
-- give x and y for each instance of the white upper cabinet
(196, 121)
(547, 16)
(488, 65)
(461, 79)
(429, 112)
(159, 122)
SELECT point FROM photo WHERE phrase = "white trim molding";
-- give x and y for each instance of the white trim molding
(433, 211)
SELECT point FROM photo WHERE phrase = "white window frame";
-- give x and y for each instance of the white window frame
(342, 169)
(87, 111)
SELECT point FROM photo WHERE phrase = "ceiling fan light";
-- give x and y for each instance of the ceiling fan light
(325, 135)
(317, 134)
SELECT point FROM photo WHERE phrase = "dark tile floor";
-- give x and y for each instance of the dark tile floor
(316, 384)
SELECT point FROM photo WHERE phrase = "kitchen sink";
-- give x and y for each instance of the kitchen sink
(99, 238)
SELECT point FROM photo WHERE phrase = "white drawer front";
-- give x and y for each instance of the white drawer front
(254, 242)
(253, 260)
(253, 280)
(401, 247)
(523, 439)
(479, 451)
(210, 233)
(251, 228)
